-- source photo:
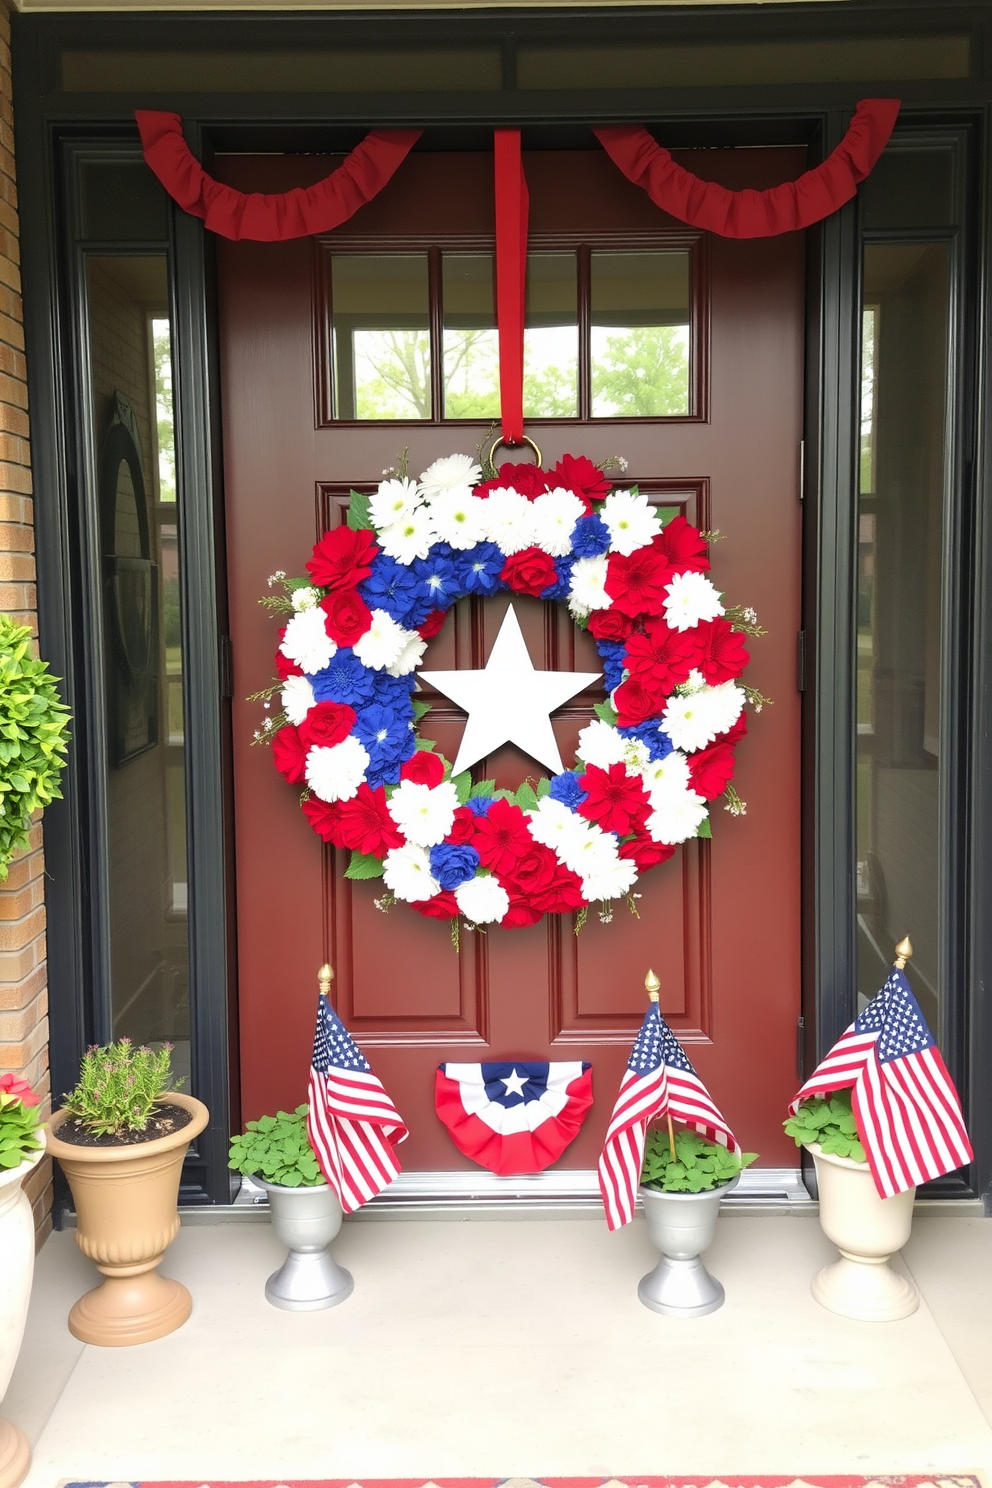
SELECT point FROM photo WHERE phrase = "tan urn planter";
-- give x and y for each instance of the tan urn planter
(867, 1230)
(126, 1217)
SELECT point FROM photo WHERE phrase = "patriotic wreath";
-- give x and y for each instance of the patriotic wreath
(659, 751)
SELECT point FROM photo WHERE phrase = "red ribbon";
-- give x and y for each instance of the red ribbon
(270, 218)
(754, 214)
(512, 205)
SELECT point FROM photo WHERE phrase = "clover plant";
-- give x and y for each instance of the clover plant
(699, 1165)
(119, 1087)
(20, 1134)
(829, 1121)
(277, 1149)
(33, 738)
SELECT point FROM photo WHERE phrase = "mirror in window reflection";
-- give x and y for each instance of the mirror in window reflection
(639, 334)
(381, 336)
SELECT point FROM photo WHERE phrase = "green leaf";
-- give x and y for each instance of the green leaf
(543, 787)
(526, 796)
(463, 786)
(358, 512)
(482, 788)
(607, 713)
(364, 865)
(430, 744)
(705, 830)
(420, 708)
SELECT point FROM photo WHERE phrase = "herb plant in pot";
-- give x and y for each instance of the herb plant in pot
(681, 1193)
(866, 1228)
(21, 1150)
(306, 1212)
(120, 1138)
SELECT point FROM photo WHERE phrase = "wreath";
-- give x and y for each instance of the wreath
(659, 751)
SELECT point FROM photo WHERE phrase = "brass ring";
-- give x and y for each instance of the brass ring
(500, 443)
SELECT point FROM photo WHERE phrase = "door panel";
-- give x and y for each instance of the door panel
(720, 921)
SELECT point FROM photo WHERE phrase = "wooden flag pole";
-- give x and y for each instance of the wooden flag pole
(652, 987)
(903, 952)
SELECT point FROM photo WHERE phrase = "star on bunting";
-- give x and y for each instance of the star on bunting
(508, 702)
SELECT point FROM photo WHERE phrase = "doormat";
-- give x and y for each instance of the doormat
(701, 1480)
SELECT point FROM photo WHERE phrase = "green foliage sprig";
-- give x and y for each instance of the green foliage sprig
(277, 1149)
(828, 1121)
(699, 1165)
(119, 1087)
(20, 1126)
(33, 737)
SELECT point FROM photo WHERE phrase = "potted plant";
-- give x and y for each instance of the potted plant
(21, 1150)
(866, 1228)
(33, 738)
(306, 1212)
(681, 1192)
(120, 1138)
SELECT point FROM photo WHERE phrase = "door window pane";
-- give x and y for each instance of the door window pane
(639, 335)
(902, 496)
(381, 336)
(471, 350)
(551, 338)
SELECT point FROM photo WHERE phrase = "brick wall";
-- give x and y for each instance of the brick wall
(23, 984)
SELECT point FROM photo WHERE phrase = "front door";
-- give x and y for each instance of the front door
(683, 354)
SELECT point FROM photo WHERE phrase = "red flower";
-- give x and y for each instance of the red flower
(520, 912)
(645, 852)
(18, 1089)
(533, 872)
(539, 884)
(342, 558)
(610, 625)
(711, 769)
(661, 657)
(348, 617)
(529, 572)
(290, 755)
(720, 650)
(529, 480)
(636, 583)
(364, 823)
(502, 837)
(462, 827)
(326, 724)
(683, 546)
(432, 624)
(323, 817)
(614, 800)
(637, 701)
(563, 895)
(443, 906)
(284, 667)
(423, 768)
(581, 477)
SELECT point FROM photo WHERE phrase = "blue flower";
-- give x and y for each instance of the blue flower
(566, 789)
(393, 587)
(559, 589)
(394, 692)
(437, 577)
(344, 680)
(453, 863)
(388, 738)
(479, 805)
(479, 569)
(613, 655)
(651, 734)
(590, 537)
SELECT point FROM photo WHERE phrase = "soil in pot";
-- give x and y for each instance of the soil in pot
(167, 1119)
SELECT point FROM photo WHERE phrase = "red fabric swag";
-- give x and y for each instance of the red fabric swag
(270, 218)
(754, 214)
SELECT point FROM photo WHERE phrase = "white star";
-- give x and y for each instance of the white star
(508, 702)
(514, 1083)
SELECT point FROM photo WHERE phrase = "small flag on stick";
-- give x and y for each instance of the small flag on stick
(905, 1105)
(658, 1081)
(351, 1122)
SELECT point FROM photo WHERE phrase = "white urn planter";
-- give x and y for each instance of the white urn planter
(682, 1226)
(16, 1271)
(306, 1219)
(867, 1231)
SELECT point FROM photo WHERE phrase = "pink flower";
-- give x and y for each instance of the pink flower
(18, 1089)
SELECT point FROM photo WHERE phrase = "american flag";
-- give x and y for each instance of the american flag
(351, 1122)
(905, 1105)
(658, 1080)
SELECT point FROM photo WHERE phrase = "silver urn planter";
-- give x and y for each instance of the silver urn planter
(306, 1221)
(682, 1226)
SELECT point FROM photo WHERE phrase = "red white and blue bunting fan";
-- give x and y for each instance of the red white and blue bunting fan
(513, 1116)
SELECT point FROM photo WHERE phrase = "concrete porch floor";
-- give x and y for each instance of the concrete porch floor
(515, 1348)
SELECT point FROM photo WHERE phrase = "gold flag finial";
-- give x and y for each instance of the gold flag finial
(903, 952)
(325, 977)
(652, 986)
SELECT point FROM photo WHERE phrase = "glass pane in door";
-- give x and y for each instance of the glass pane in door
(639, 334)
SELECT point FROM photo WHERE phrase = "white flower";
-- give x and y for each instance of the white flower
(666, 777)
(449, 473)
(394, 501)
(588, 588)
(609, 877)
(632, 521)
(571, 838)
(409, 658)
(691, 598)
(407, 873)
(482, 900)
(423, 813)
(695, 682)
(335, 773)
(601, 744)
(727, 702)
(409, 538)
(677, 816)
(554, 516)
(382, 643)
(305, 598)
(635, 754)
(297, 698)
(306, 641)
(693, 721)
(509, 521)
(458, 517)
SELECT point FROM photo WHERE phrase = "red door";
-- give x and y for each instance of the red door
(720, 921)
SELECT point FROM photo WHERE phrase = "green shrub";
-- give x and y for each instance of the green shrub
(828, 1120)
(699, 1165)
(33, 738)
(119, 1087)
(20, 1128)
(277, 1149)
